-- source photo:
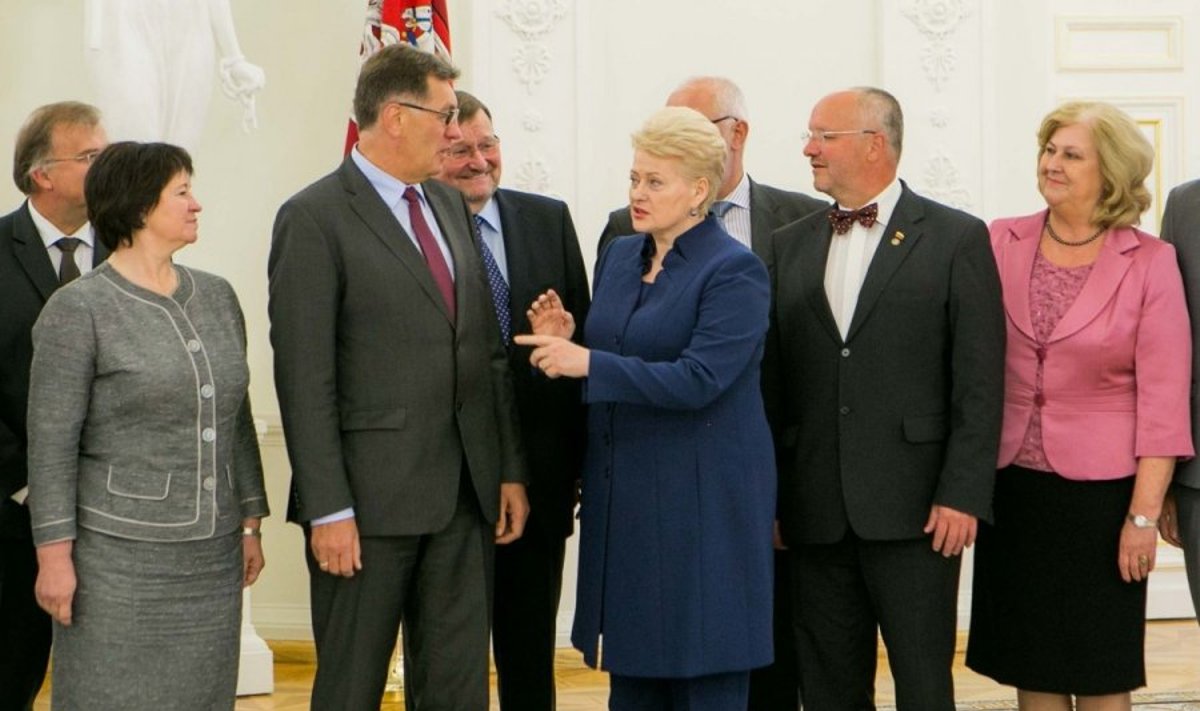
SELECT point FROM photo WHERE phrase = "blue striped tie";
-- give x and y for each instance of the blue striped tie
(499, 287)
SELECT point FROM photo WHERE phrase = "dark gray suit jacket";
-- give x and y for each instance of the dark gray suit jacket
(384, 398)
(1181, 227)
(770, 209)
(543, 253)
(27, 280)
(905, 412)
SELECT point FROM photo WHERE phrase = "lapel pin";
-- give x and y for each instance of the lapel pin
(897, 238)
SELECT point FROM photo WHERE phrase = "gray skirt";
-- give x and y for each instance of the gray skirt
(155, 626)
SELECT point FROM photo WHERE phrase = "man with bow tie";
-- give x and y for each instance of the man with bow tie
(44, 244)
(884, 377)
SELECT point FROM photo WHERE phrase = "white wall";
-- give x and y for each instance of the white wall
(589, 72)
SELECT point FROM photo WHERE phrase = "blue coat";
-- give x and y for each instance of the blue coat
(679, 481)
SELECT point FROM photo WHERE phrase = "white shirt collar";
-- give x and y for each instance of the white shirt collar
(490, 213)
(51, 234)
(741, 192)
(885, 202)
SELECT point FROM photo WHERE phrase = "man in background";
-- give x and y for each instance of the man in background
(44, 244)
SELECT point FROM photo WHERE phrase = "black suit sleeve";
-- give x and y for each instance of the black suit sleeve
(619, 224)
(977, 363)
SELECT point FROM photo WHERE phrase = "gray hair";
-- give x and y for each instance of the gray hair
(881, 109)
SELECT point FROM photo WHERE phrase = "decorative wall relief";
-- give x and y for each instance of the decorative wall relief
(943, 183)
(534, 176)
(936, 20)
(532, 20)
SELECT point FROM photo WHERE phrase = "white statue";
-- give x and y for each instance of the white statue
(153, 62)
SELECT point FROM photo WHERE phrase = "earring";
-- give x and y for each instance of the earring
(694, 212)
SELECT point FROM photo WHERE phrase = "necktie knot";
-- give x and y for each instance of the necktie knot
(67, 245)
(721, 207)
(843, 220)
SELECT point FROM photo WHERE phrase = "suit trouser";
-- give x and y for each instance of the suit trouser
(439, 585)
(525, 610)
(1187, 502)
(777, 687)
(845, 593)
(25, 630)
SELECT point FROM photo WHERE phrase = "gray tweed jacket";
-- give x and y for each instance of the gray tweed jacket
(139, 421)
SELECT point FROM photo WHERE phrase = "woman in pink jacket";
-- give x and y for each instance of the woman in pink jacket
(1096, 412)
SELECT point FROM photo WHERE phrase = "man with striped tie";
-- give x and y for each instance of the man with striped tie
(528, 245)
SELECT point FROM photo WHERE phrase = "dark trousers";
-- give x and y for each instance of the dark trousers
(528, 587)
(846, 593)
(1187, 502)
(24, 628)
(715, 692)
(437, 584)
(777, 687)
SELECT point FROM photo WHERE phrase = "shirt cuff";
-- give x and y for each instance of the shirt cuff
(333, 517)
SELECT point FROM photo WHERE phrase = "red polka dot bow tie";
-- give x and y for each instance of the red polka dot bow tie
(843, 220)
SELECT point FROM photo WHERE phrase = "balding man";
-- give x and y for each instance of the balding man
(45, 243)
(885, 384)
(749, 211)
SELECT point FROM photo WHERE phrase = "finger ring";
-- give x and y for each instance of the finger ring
(324, 565)
(1143, 561)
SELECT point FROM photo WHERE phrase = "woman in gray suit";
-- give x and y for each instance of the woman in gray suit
(146, 487)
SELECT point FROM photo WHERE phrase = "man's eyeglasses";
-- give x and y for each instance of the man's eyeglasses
(823, 136)
(725, 118)
(86, 157)
(447, 116)
(485, 147)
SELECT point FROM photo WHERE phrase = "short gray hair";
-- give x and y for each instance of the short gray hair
(881, 109)
(396, 70)
(729, 98)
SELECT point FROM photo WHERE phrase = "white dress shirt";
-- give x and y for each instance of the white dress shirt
(850, 256)
(737, 219)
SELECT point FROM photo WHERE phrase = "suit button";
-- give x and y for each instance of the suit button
(458, 406)
(206, 391)
(208, 434)
(193, 345)
(209, 484)
(844, 409)
(845, 352)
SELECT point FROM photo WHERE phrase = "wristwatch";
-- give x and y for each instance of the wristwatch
(1140, 521)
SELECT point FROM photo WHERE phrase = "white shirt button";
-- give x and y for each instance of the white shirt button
(193, 345)
(206, 391)
(208, 434)
(209, 483)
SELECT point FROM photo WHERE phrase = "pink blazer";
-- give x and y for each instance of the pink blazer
(1117, 367)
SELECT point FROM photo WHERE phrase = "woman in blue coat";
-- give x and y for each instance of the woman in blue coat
(674, 590)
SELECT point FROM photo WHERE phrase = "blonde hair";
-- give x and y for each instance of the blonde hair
(685, 135)
(1126, 158)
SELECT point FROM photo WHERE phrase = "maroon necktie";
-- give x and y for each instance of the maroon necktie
(429, 245)
(843, 220)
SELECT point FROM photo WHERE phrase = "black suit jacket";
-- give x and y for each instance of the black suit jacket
(1181, 227)
(543, 253)
(385, 399)
(27, 279)
(770, 209)
(905, 412)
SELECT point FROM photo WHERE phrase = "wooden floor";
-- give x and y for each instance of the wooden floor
(1172, 660)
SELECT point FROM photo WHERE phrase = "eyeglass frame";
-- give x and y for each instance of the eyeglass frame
(493, 141)
(823, 136)
(726, 117)
(88, 157)
(448, 116)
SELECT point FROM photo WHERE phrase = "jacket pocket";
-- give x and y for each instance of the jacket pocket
(926, 428)
(392, 418)
(134, 485)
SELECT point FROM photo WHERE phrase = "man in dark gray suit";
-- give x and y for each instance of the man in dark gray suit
(530, 243)
(397, 401)
(1180, 521)
(749, 211)
(884, 381)
(44, 243)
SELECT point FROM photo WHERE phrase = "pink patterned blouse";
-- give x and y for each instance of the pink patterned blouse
(1052, 290)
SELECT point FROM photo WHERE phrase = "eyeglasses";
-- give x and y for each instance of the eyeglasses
(485, 147)
(88, 157)
(823, 136)
(725, 118)
(447, 116)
